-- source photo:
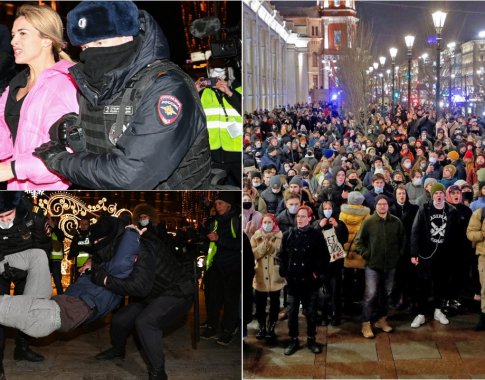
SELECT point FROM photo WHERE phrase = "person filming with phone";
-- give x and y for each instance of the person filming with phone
(222, 106)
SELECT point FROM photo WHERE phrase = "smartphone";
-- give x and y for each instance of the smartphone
(209, 82)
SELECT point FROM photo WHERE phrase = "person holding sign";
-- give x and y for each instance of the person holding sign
(381, 241)
(336, 234)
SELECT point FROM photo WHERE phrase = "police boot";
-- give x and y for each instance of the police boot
(23, 352)
(114, 352)
(312, 345)
(481, 323)
(292, 347)
(157, 374)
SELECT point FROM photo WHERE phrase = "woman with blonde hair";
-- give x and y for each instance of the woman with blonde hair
(36, 98)
(266, 243)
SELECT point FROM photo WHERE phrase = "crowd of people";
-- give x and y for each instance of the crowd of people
(396, 197)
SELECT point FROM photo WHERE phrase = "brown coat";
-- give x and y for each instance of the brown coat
(266, 247)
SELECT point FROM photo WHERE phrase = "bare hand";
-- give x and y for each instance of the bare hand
(333, 222)
(414, 260)
(134, 227)
(323, 222)
(5, 172)
(223, 86)
(87, 265)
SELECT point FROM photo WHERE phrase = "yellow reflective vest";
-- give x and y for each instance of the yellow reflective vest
(213, 246)
(57, 252)
(220, 120)
(83, 256)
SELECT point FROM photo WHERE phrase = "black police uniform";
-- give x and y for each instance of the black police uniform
(163, 141)
(162, 292)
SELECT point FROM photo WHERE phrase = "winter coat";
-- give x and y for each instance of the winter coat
(479, 203)
(414, 192)
(475, 230)
(353, 216)
(303, 259)
(285, 220)
(381, 241)
(266, 247)
(406, 214)
(53, 95)
(253, 218)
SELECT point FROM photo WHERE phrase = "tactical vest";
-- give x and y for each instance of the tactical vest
(220, 117)
(18, 238)
(104, 125)
(83, 256)
(57, 252)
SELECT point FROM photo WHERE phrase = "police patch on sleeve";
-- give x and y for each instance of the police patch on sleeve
(169, 109)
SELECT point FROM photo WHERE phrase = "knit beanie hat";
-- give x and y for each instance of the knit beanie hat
(275, 181)
(429, 181)
(355, 198)
(437, 187)
(453, 155)
(468, 155)
(381, 196)
(296, 180)
(451, 168)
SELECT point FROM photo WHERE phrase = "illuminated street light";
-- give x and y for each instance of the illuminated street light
(393, 54)
(409, 44)
(439, 18)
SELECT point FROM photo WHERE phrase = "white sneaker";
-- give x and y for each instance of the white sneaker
(418, 321)
(439, 316)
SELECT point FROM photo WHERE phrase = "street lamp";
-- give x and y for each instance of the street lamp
(409, 44)
(439, 18)
(393, 53)
(451, 47)
(382, 61)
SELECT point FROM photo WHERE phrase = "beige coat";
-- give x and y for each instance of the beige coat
(475, 230)
(266, 247)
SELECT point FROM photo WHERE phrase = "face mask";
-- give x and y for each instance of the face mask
(268, 227)
(247, 205)
(217, 73)
(327, 213)
(6, 225)
(292, 210)
(302, 145)
(433, 160)
(378, 190)
(258, 145)
(256, 184)
(144, 222)
(467, 196)
(354, 182)
(379, 170)
(407, 165)
(417, 181)
(304, 173)
(423, 165)
(275, 191)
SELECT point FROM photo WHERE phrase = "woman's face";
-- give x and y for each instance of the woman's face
(340, 177)
(28, 45)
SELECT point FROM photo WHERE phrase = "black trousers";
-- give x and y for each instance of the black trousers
(149, 321)
(55, 268)
(274, 306)
(222, 292)
(308, 299)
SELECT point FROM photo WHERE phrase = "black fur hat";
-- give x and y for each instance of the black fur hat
(9, 200)
(96, 20)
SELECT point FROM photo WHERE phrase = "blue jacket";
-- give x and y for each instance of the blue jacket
(98, 297)
(479, 203)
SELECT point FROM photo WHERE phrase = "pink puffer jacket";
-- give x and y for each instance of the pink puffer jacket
(53, 95)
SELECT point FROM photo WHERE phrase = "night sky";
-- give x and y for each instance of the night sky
(392, 20)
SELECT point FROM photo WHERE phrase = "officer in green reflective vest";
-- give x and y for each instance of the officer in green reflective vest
(57, 252)
(80, 249)
(222, 106)
(222, 278)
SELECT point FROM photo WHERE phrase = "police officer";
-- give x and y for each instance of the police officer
(21, 231)
(222, 105)
(141, 125)
(169, 299)
(222, 278)
(81, 247)
(56, 252)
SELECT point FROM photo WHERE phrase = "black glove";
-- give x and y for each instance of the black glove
(51, 153)
(67, 132)
(13, 274)
(98, 275)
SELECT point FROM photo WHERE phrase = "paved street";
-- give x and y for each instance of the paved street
(432, 351)
(71, 357)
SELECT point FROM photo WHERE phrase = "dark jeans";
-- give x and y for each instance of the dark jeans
(222, 292)
(274, 306)
(149, 320)
(55, 268)
(353, 285)
(308, 299)
(378, 286)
